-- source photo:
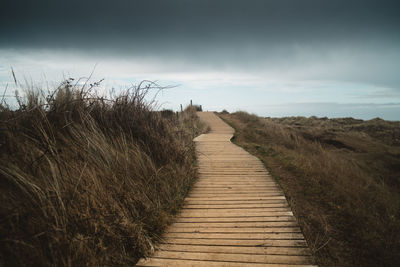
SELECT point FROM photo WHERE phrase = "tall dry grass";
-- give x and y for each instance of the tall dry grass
(86, 180)
(342, 180)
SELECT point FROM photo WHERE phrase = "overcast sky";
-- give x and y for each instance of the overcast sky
(275, 58)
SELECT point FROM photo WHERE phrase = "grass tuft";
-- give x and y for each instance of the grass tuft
(90, 180)
(341, 178)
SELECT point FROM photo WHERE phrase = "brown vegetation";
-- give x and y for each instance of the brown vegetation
(86, 180)
(341, 178)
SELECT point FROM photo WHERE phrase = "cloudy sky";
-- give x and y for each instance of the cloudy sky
(274, 58)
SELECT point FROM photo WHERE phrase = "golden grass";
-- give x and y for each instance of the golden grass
(341, 178)
(86, 180)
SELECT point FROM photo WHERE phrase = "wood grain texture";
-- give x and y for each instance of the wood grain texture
(235, 214)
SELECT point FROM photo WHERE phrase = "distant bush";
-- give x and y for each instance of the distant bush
(198, 107)
(167, 113)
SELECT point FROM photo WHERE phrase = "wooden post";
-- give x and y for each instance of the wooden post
(181, 108)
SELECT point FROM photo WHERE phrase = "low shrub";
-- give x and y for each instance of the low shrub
(341, 178)
(90, 180)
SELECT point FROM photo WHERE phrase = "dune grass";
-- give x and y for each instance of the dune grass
(341, 178)
(86, 180)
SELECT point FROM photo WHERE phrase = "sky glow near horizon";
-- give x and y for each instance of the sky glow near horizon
(319, 58)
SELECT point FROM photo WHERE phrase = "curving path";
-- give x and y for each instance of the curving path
(235, 215)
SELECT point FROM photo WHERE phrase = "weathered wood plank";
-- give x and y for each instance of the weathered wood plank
(237, 206)
(234, 202)
(177, 229)
(231, 257)
(260, 236)
(238, 224)
(237, 219)
(232, 209)
(191, 263)
(237, 242)
(241, 198)
(239, 250)
(245, 213)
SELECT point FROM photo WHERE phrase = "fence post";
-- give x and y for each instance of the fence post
(181, 108)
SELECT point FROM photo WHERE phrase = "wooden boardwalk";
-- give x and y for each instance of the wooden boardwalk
(235, 215)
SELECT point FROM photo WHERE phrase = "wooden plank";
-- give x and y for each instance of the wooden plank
(260, 236)
(232, 190)
(235, 182)
(223, 169)
(199, 263)
(241, 198)
(225, 183)
(235, 176)
(233, 209)
(238, 249)
(238, 224)
(235, 202)
(237, 242)
(231, 214)
(244, 164)
(229, 171)
(237, 206)
(237, 219)
(242, 171)
(177, 229)
(230, 257)
(233, 186)
(229, 180)
(217, 185)
(235, 189)
(249, 164)
(227, 193)
(235, 195)
(244, 195)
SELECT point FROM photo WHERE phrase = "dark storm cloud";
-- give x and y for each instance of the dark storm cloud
(342, 40)
(182, 22)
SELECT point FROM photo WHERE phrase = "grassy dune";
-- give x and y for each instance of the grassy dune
(342, 180)
(86, 180)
